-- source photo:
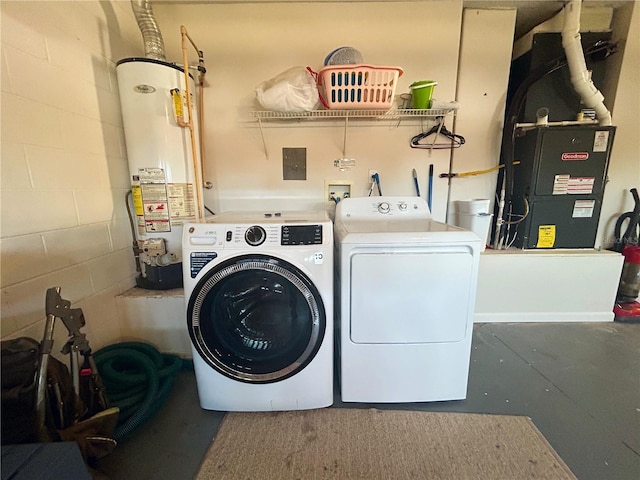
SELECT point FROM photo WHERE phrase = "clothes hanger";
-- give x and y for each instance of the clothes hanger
(439, 129)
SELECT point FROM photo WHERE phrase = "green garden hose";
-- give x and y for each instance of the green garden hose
(138, 379)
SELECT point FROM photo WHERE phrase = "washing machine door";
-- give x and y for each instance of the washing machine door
(256, 319)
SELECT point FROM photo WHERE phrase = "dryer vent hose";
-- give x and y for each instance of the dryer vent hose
(138, 379)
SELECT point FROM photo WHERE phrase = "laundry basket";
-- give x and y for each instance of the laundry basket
(351, 87)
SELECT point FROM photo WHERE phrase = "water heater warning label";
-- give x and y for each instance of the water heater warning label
(181, 204)
(136, 193)
(155, 204)
(161, 205)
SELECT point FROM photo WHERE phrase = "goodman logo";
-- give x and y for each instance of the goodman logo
(569, 156)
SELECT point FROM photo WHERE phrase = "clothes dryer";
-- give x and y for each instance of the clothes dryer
(259, 299)
(406, 288)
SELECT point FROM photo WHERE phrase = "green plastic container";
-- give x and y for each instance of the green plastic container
(421, 93)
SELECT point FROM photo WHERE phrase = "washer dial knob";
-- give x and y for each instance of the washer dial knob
(384, 207)
(255, 235)
(402, 206)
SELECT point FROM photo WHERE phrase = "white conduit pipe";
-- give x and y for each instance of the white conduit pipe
(580, 76)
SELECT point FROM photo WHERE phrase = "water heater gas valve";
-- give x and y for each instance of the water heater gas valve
(154, 247)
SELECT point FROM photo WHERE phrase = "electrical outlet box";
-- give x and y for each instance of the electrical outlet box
(294, 163)
(372, 172)
(337, 190)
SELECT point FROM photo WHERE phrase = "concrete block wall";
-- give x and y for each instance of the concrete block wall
(64, 169)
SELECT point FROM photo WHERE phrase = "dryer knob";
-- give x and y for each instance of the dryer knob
(255, 235)
(402, 206)
(384, 207)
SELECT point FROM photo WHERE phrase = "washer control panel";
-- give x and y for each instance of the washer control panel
(254, 235)
(257, 235)
(301, 235)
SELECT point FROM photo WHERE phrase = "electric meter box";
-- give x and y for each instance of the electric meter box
(559, 184)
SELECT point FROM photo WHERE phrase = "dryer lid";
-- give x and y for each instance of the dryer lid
(405, 231)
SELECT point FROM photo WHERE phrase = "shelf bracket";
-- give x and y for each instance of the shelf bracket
(344, 142)
(264, 143)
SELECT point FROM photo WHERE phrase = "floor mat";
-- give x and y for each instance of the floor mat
(368, 444)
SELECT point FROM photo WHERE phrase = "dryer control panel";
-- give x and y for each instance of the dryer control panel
(369, 208)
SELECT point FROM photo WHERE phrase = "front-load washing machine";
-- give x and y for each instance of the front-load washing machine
(259, 298)
(406, 288)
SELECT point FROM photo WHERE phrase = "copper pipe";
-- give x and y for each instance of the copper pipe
(198, 181)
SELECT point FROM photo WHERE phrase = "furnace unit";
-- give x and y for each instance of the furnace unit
(559, 184)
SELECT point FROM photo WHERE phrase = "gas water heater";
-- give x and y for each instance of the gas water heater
(163, 165)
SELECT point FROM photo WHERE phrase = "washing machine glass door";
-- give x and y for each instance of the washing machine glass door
(256, 319)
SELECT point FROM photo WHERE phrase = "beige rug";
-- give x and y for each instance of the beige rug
(335, 443)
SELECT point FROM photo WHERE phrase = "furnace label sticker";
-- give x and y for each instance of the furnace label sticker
(601, 141)
(583, 208)
(560, 184)
(568, 185)
(546, 236)
(580, 185)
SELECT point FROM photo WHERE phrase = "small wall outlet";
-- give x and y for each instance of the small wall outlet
(337, 190)
(372, 172)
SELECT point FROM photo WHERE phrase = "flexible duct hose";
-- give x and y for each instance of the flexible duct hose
(151, 36)
(138, 379)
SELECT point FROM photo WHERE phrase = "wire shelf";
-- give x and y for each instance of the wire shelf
(330, 114)
(394, 114)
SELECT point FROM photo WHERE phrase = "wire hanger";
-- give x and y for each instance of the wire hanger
(423, 141)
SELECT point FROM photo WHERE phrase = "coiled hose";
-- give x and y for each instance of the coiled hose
(138, 379)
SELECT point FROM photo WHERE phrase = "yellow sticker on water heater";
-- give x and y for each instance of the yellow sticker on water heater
(546, 236)
(136, 194)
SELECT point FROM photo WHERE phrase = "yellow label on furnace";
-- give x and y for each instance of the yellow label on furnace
(546, 236)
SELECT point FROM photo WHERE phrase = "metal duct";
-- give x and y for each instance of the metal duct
(153, 43)
(580, 76)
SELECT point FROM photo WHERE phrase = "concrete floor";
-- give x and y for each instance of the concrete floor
(579, 382)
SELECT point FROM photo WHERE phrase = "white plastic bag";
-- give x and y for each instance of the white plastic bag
(294, 90)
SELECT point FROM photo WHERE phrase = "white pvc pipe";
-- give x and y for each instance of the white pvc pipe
(563, 123)
(580, 76)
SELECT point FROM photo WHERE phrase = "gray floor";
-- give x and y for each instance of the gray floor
(580, 383)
